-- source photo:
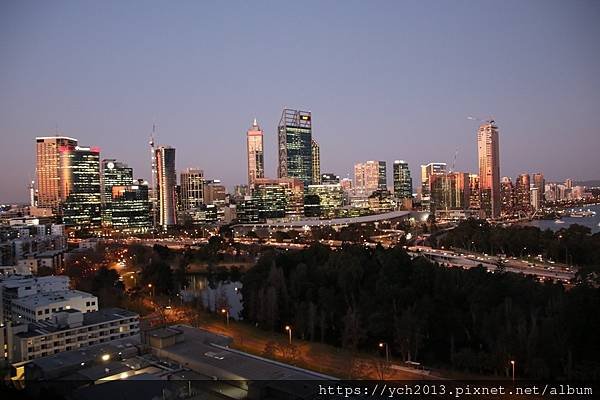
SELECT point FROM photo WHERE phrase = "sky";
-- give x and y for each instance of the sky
(384, 80)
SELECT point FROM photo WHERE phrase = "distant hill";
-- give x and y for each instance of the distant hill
(592, 183)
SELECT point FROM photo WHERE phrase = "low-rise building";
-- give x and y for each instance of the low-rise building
(44, 306)
(70, 330)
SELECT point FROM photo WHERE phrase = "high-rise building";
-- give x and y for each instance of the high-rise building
(130, 208)
(427, 170)
(316, 162)
(370, 176)
(449, 191)
(166, 179)
(489, 169)
(192, 188)
(475, 195)
(402, 180)
(80, 186)
(112, 173)
(329, 179)
(506, 196)
(48, 170)
(330, 196)
(540, 184)
(214, 192)
(522, 193)
(381, 175)
(254, 147)
(279, 198)
(295, 145)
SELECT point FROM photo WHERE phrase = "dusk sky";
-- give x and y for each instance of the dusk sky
(384, 81)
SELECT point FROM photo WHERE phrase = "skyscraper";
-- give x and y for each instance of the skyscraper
(475, 195)
(316, 162)
(402, 180)
(130, 208)
(48, 170)
(254, 147)
(381, 175)
(370, 176)
(522, 199)
(506, 196)
(112, 173)
(433, 168)
(295, 145)
(489, 169)
(192, 188)
(166, 179)
(80, 186)
(540, 184)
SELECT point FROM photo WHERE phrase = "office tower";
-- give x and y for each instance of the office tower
(569, 183)
(427, 170)
(489, 169)
(32, 195)
(279, 198)
(474, 197)
(166, 179)
(295, 145)
(316, 163)
(381, 201)
(152, 189)
(506, 196)
(192, 188)
(522, 196)
(80, 186)
(370, 176)
(48, 169)
(254, 147)
(402, 180)
(449, 191)
(130, 210)
(346, 183)
(113, 173)
(214, 192)
(540, 184)
(329, 179)
(381, 175)
(325, 200)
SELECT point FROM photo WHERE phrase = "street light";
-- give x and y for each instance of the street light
(387, 351)
(226, 312)
(289, 329)
(512, 362)
(105, 357)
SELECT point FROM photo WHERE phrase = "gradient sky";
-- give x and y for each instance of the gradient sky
(384, 80)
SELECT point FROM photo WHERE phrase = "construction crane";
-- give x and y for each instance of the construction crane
(454, 161)
(490, 120)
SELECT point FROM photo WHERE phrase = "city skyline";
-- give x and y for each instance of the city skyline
(543, 89)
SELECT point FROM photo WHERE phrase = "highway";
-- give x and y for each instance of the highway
(539, 268)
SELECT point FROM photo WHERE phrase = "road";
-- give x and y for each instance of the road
(541, 269)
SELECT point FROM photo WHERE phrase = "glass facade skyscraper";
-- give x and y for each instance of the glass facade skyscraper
(113, 173)
(80, 185)
(130, 209)
(166, 179)
(295, 146)
(402, 180)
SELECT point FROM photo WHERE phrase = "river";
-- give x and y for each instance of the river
(591, 222)
(216, 294)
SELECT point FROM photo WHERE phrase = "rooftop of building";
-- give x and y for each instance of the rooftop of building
(104, 315)
(14, 281)
(208, 354)
(46, 299)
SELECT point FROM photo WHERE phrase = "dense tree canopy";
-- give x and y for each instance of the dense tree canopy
(468, 319)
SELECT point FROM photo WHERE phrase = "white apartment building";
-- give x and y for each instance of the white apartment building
(43, 306)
